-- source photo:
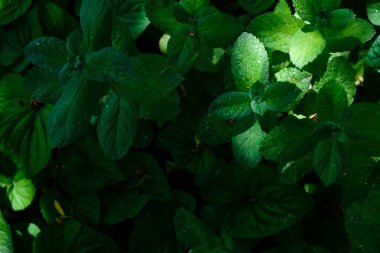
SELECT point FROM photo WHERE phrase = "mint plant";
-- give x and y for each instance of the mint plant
(189, 126)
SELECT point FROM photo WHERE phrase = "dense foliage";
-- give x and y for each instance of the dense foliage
(164, 126)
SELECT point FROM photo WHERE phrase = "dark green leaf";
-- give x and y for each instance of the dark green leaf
(183, 48)
(289, 141)
(47, 52)
(245, 146)
(293, 171)
(275, 30)
(16, 38)
(43, 85)
(5, 236)
(107, 64)
(360, 124)
(132, 13)
(341, 17)
(96, 22)
(160, 13)
(249, 62)
(256, 7)
(282, 97)
(70, 116)
(117, 126)
(331, 101)
(48, 206)
(10, 10)
(231, 105)
(328, 160)
(271, 210)
(191, 231)
(217, 29)
(151, 79)
(373, 56)
(23, 127)
(73, 237)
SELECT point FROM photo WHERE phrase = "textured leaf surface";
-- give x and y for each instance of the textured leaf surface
(160, 13)
(117, 126)
(305, 46)
(217, 29)
(231, 105)
(47, 52)
(256, 7)
(21, 194)
(340, 70)
(270, 211)
(249, 62)
(96, 22)
(289, 141)
(373, 11)
(331, 101)
(5, 236)
(245, 146)
(327, 160)
(281, 97)
(70, 116)
(275, 30)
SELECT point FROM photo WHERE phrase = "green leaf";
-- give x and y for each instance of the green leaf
(341, 17)
(117, 126)
(70, 116)
(43, 85)
(360, 124)
(283, 7)
(183, 48)
(5, 236)
(301, 79)
(120, 205)
(122, 39)
(340, 70)
(92, 168)
(305, 46)
(256, 7)
(245, 146)
(331, 101)
(275, 30)
(373, 8)
(289, 141)
(180, 141)
(373, 55)
(47, 52)
(96, 22)
(211, 60)
(214, 130)
(299, 247)
(193, 6)
(132, 13)
(160, 13)
(308, 10)
(272, 209)
(362, 224)
(151, 79)
(356, 32)
(249, 62)
(48, 203)
(191, 231)
(16, 38)
(10, 10)
(217, 29)
(281, 96)
(107, 64)
(21, 194)
(328, 160)
(56, 20)
(86, 206)
(231, 105)
(293, 171)
(72, 236)
(23, 127)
